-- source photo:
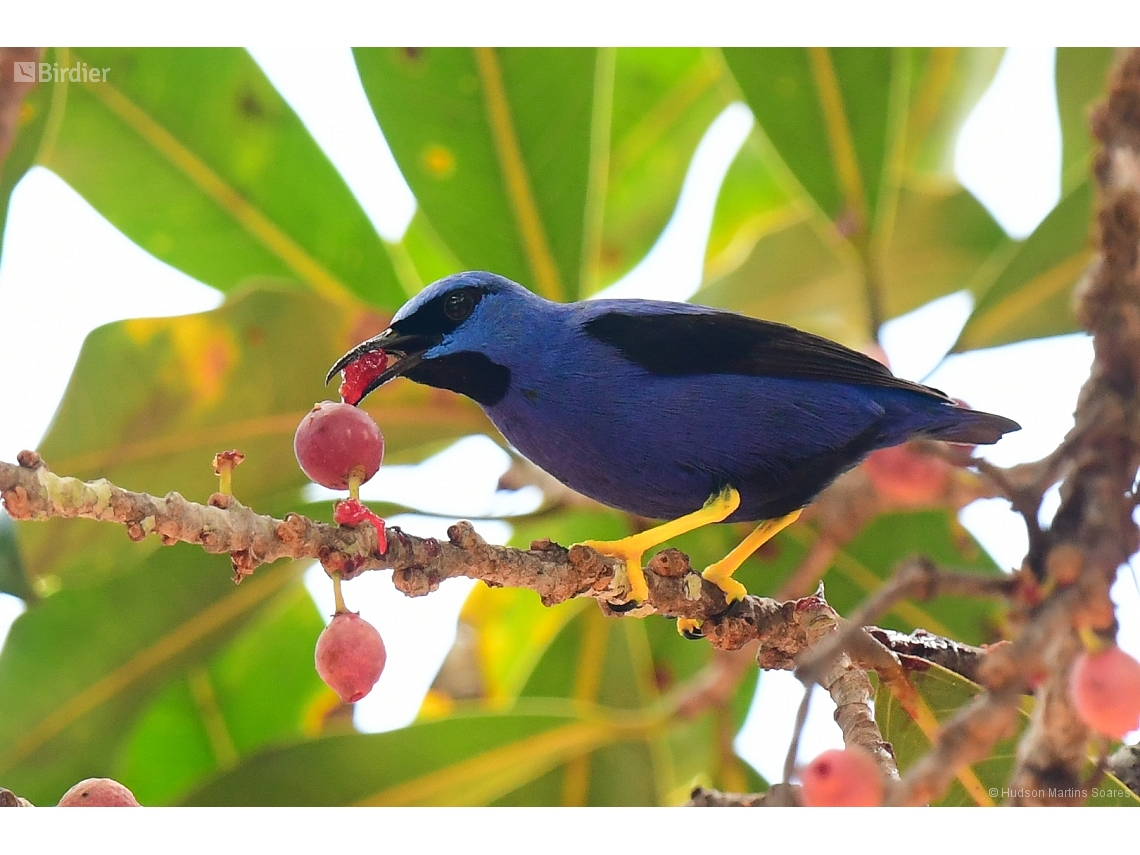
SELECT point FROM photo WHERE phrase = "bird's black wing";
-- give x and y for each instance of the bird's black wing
(715, 342)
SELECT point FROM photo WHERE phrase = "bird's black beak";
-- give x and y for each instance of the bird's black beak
(404, 351)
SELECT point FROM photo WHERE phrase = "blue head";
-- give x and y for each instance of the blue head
(460, 333)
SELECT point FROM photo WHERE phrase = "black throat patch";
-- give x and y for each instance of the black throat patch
(468, 373)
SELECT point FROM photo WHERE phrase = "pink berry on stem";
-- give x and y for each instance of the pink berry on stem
(337, 442)
(350, 656)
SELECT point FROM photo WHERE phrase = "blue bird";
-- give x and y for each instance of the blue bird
(670, 411)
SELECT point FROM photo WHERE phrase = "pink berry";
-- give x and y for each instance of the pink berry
(842, 778)
(350, 656)
(333, 440)
(907, 477)
(357, 375)
(1105, 689)
(99, 792)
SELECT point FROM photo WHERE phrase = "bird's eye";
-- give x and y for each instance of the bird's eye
(458, 305)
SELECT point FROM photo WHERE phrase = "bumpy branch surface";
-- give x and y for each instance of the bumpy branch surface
(1094, 532)
(847, 683)
(30, 491)
(785, 630)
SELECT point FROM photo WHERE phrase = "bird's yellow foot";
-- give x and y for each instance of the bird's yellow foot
(631, 554)
(720, 572)
(633, 547)
(721, 576)
(690, 628)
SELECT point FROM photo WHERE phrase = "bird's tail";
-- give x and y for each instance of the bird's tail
(971, 427)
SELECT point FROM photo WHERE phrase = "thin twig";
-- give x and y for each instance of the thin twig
(797, 731)
(917, 578)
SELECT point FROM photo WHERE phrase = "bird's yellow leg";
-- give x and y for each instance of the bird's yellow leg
(720, 572)
(631, 548)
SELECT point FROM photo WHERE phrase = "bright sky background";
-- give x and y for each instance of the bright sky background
(59, 252)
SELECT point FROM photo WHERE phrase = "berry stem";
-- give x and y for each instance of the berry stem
(224, 464)
(337, 595)
(355, 479)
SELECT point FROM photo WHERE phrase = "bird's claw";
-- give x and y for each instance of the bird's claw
(690, 628)
(627, 606)
(629, 575)
(733, 590)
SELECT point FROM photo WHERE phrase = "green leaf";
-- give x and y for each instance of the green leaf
(259, 690)
(470, 759)
(940, 694)
(427, 252)
(947, 83)
(771, 255)
(512, 628)
(756, 200)
(169, 750)
(596, 660)
(699, 750)
(795, 274)
(1082, 76)
(939, 242)
(798, 274)
(870, 560)
(79, 666)
(576, 156)
(825, 111)
(245, 190)
(634, 665)
(1026, 290)
(13, 578)
(512, 631)
(841, 211)
(829, 115)
(495, 144)
(1111, 792)
(151, 402)
(663, 102)
(526, 652)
